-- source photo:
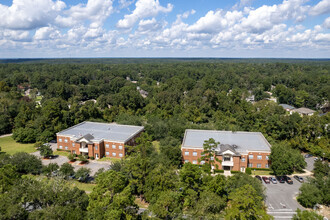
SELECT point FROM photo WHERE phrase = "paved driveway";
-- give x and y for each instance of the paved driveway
(281, 199)
(310, 163)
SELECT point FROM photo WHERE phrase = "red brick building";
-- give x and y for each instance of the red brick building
(98, 139)
(237, 150)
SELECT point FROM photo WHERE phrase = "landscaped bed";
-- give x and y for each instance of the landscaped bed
(10, 146)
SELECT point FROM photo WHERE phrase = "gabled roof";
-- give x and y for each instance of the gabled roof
(245, 141)
(286, 106)
(95, 131)
(304, 110)
(223, 148)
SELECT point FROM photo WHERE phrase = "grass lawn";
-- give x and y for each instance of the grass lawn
(87, 187)
(61, 153)
(262, 172)
(109, 159)
(10, 146)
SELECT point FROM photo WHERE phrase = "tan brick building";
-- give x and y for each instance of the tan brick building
(237, 150)
(98, 139)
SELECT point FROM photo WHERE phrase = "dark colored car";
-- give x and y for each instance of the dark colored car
(280, 179)
(273, 180)
(259, 178)
(308, 155)
(299, 178)
(288, 180)
(266, 179)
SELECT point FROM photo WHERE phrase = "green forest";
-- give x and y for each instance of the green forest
(39, 99)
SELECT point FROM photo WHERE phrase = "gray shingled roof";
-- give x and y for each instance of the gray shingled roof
(245, 141)
(286, 106)
(102, 131)
(304, 110)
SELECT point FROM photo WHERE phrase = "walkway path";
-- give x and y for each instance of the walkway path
(6, 135)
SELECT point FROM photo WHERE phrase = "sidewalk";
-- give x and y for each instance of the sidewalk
(5, 135)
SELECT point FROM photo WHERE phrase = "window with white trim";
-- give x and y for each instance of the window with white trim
(95, 147)
(114, 154)
(113, 146)
(212, 158)
(73, 152)
(202, 162)
(243, 159)
(267, 166)
(186, 153)
(195, 154)
(259, 157)
(66, 148)
(120, 147)
(61, 147)
(194, 161)
(250, 164)
(259, 165)
(267, 157)
(251, 156)
(120, 155)
(60, 140)
(106, 145)
(186, 161)
(73, 144)
(107, 153)
(66, 140)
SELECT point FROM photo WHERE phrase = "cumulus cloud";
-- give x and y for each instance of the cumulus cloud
(143, 9)
(46, 33)
(29, 14)
(326, 23)
(323, 7)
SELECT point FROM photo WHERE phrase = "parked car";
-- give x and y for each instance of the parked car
(299, 178)
(258, 177)
(288, 180)
(317, 158)
(308, 155)
(273, 180)
(266, 179)
(280, 179)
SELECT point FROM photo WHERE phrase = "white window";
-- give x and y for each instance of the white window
(267, 166)
(120, 147)
(212, 158)
(114, 154)
(259, 157)
(73, 144)
(194, 153)
(60, 140)
(194, 161)
(120, 155)
(73, 152)
(186, 161)
(186, 153)
(267, 157)
(113, 146)
(202, 162)
(250, 156)
(243, 159)
(107, 145)
(258, 165)
(95, 147)
(66, 148)
(250, 164)
(107, 153)
(66, 140)
(61, 147)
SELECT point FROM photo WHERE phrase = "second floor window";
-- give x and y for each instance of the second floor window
(60, 140)
(259, 157)
(120, 147)
(66, 140)
(267, 157)
(243, 159)
(95, 147)
(194, 153)
(113, 146)
(250, 156)
(107, 146)
(186, 153)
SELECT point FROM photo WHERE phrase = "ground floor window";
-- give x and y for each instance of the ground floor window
(250, 164)
(61, 147)
(186, 161)
(114, 154)
(120, 155)
(96, 156)
(267, 166)
(194, 161)
(73, 152)
(66, 148)
(243, 169)
(107, 153)
(258, 165)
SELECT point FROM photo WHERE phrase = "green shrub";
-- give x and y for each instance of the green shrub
(248, 171)
(92, 158)
(235, 171)
(219, 171)
(263, 169)
(71, 157)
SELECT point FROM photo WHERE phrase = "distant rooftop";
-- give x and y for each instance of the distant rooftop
(286, 106)
(304, 110)
(243, 141)
(96, 131)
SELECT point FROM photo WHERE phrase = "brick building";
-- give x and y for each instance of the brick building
(98, 139)
(237, 150)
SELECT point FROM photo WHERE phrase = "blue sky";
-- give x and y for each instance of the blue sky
(163, 28)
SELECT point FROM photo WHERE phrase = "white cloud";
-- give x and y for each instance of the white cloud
(326, 23)
(143, 9)
(29, 14)
(322, 37)
(15, 35)
(125, 3)
(46, 33)
(323, 7)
